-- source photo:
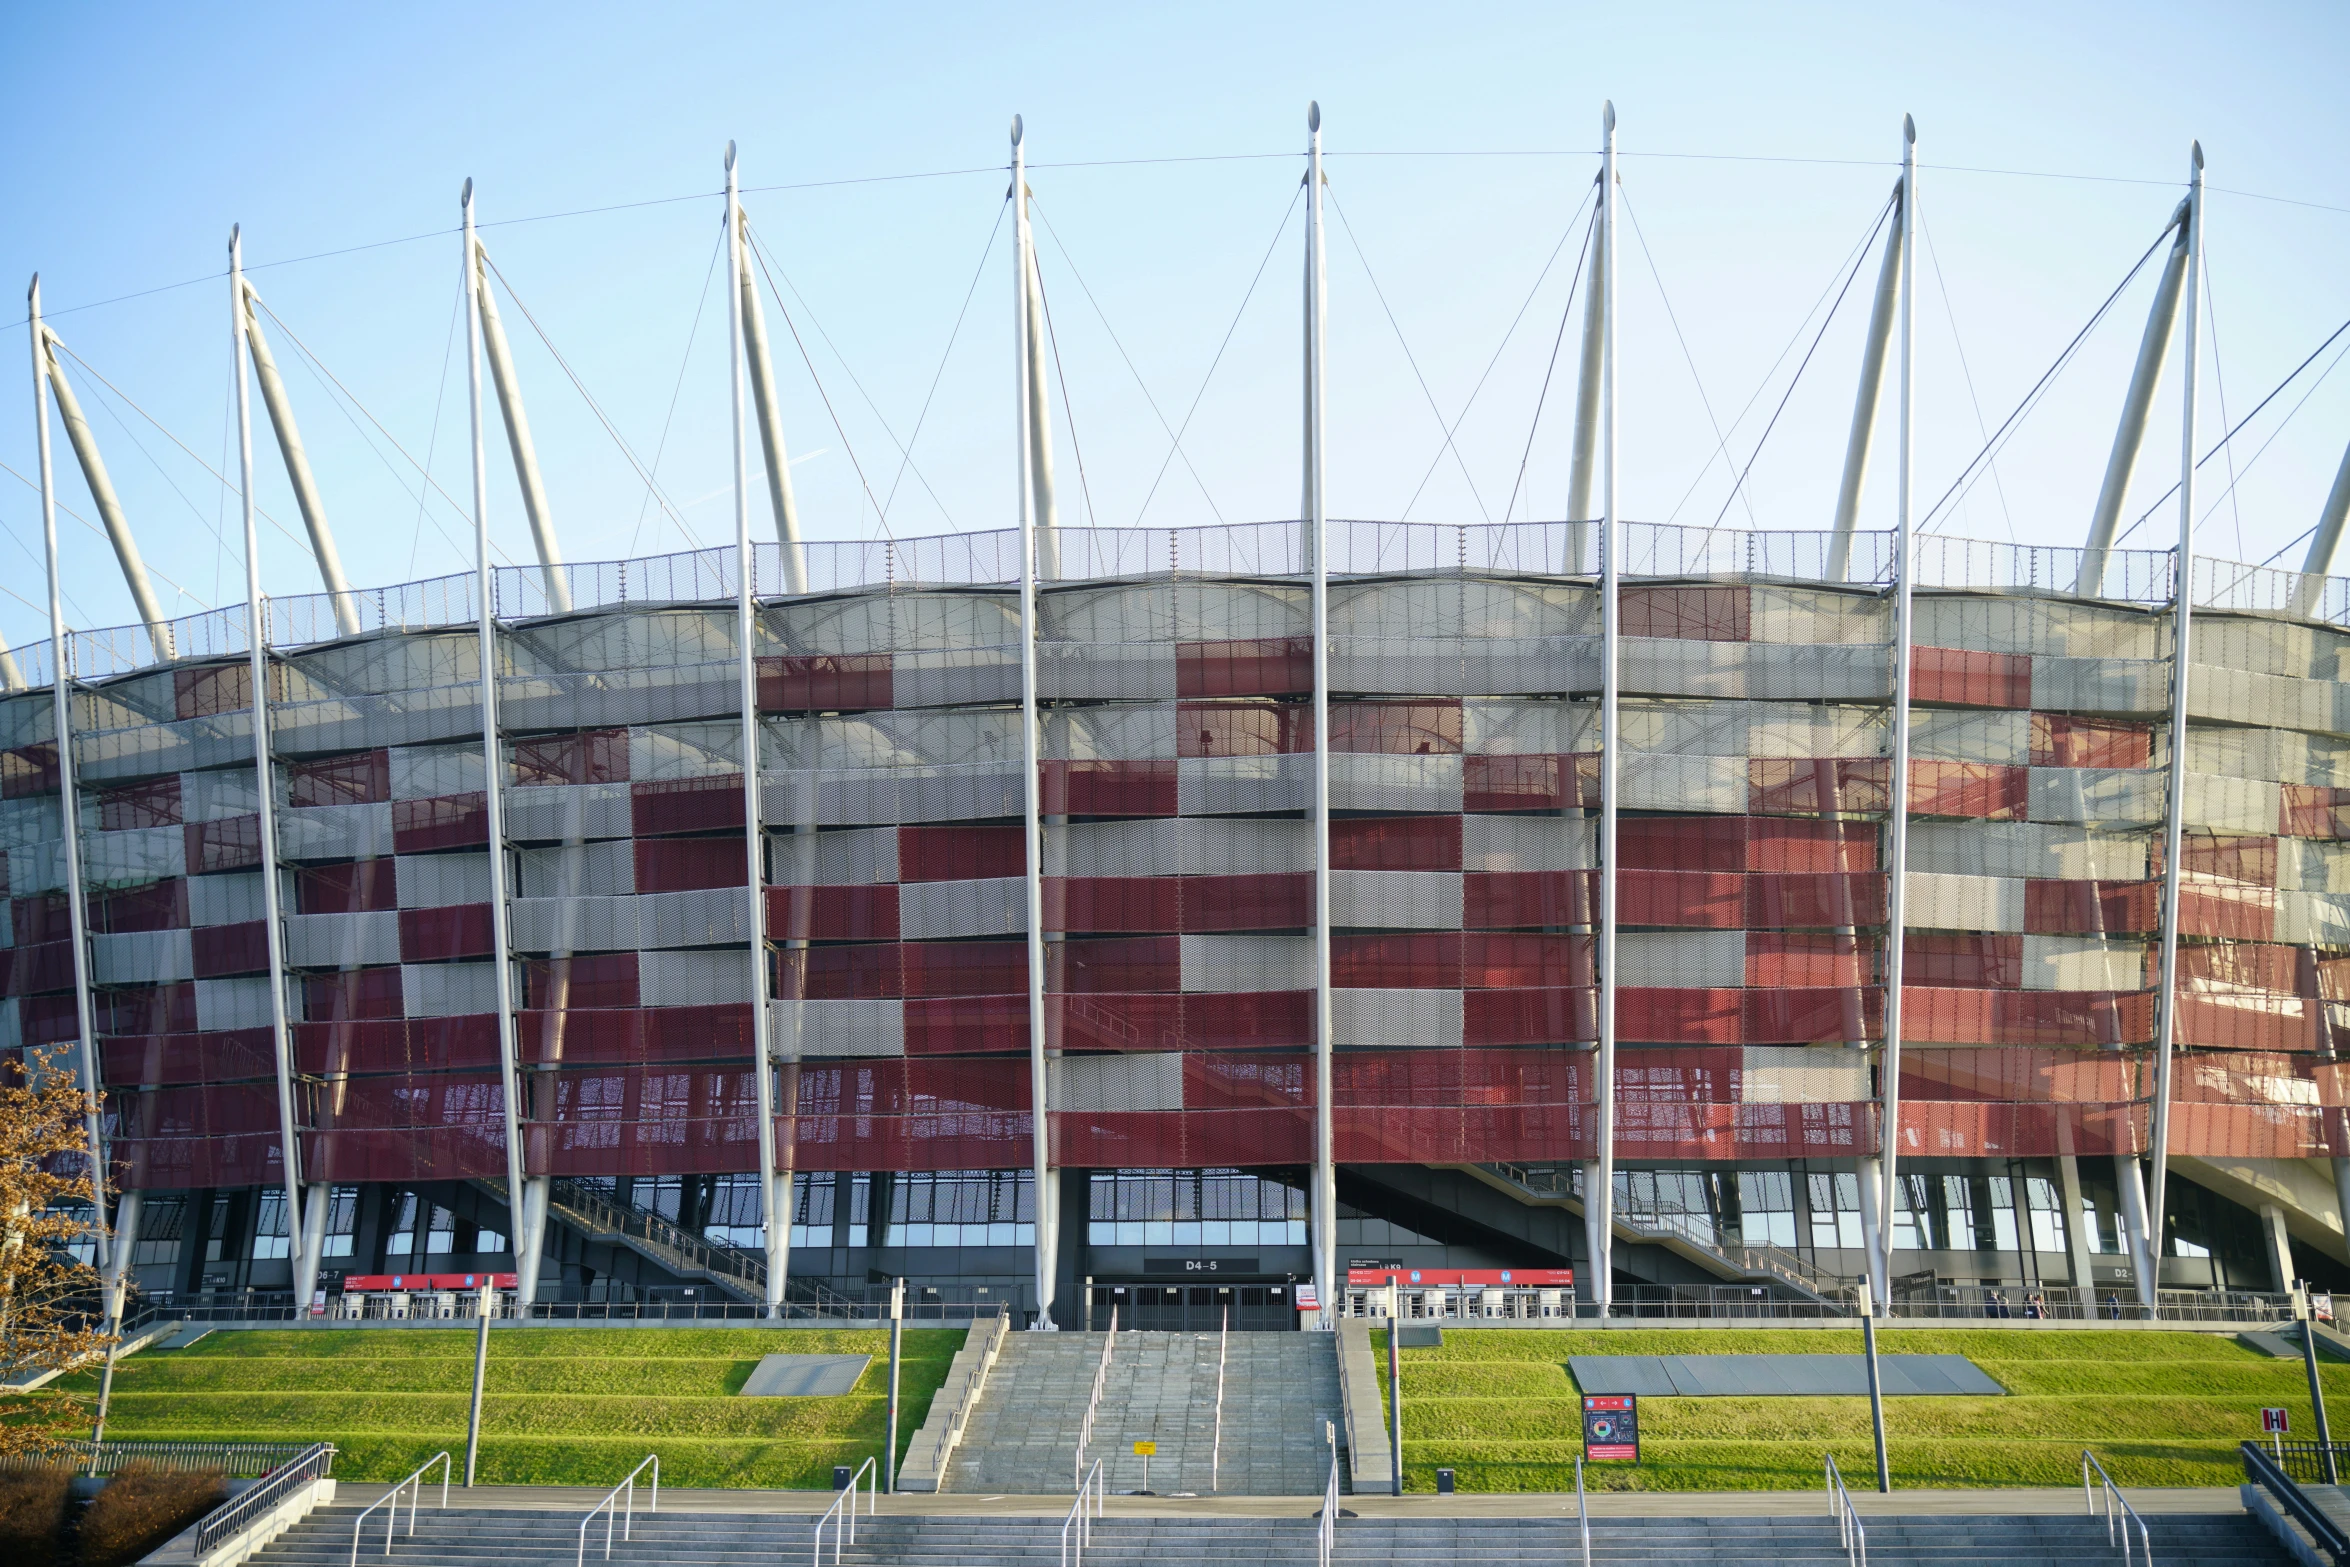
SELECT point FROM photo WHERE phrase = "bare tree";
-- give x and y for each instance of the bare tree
(49, 1298)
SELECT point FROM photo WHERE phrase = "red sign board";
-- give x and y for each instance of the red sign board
(362, 1283)
(2274, 1420)
(1466, 1278)
(1611, 1426)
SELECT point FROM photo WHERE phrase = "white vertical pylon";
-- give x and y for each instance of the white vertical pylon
(780, 499)
(1045, 1199)
(110, 512)
(1599, 1193)
(2137, 404)
(1322, 1206)
(1038, 381)
(305, 483)
(774, 1198)
(2322, 547)
(526, 1211)
(1864, 403)
(2166, 1010)
(305, 1259)
(77, 907)
(492, 337)
(1897, 793)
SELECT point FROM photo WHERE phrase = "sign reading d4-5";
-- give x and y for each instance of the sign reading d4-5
(1611, 1426)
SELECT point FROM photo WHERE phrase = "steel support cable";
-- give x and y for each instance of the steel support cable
(39, 609)
(594, 407)
(759, 251)
(1060, 372)
(1381, 295)
(2233, 430)
(954, 334)
(1248, 294)
(1721, 440)
(1966, 371)
(2219, 379)
(1796, 379)
(34, 485)
(432, 446)
(129, 402)
(684, 362)
(767, 266)
(1763, 385)
(2303, 536)
(318, 369)
(1140, 384)
(1542, 398)
(139, 446)
(1503, 347)
(2047, 379)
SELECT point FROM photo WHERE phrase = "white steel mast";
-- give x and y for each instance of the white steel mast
(1600, 1186)
(1322, 1205)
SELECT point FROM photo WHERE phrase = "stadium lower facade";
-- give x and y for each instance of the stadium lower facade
(1175, 675)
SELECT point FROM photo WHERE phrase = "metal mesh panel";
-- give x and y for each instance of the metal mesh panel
(2084, 963)
(1396, 900)
(2026, 850)
(2132, 797)
(1681, 958)
(1396, 1019)
(1249, 785)
(216, 794)
(568, 811)
(1528, 843)
(439, 881)
(1247, 963)
(1121, 732)
(232, 1003)
(837, 1028)
(995, 906)
(1395, 783)
(1141, 1081)
(225, 900)
(1780, 613)
(344, 941)
(590, 870)
(449, 989)
(678, 979)
(856, 857)
(141, 957)
(1946, 902)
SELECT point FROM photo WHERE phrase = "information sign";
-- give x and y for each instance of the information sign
(1611, 1427)
(2274, 1420)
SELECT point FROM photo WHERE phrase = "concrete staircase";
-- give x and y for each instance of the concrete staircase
(1279, 1388)
(469, 1537)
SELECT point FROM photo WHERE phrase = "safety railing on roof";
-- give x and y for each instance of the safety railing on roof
(1358, 547)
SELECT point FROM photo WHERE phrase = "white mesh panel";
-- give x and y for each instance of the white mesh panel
(2307, 864)
(137, 855)
(1120, 732)
(673, 751)
(1396, 900)
(857, 857)
(2083, 963)
(2026, 849)
(449, 989)
(589, 870)
(217, 793)
(36, 867)
(1246, 785)
(1430, 784)
(1248, 963)
(690, 979)
(2313, 918)
(30, 821)
(2101, 685)
(1659, 782)
(335, 832)
(339, 941)
(994, 906)
(1509, 726)
(836, 1028)
(2232, 695)
(2110, 795)
(425, 772)
(1817, 615)
(1108, 671)
(1143, 848)
(442, 881)
(147, 957)
(1527, 843)
(1769, 1076)
(1952, 735)
(981, 675)
(543, 811)
(2233, 805)
(232, 1003)
(1938, 902)
(1111, 1083)
(1682, 959)
(232, 899)
(1396, 1019)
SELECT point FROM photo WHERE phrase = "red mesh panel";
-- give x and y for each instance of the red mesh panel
(2019, 1131)
(832, 913)
(161, 905)
(825, 682)
(1396, 843)
(361, 778)
(423, 1153)
(2251, 861)
(966, 1025)
(431, 1044)
(629, 1034)
(1422, 728)
(29, 770)
(727, 1146)
(689, 864)
(1716, 1132)
(910, 1115)
(1112, 903)
(1817, 786)
(1091, 967)
(355, 887)
(965, 968)
(432, 935)
(130, 1059)
(2227, 911)
(221, 950)
(131, 1009)
(46, 1020)
(1678, 1017)
(225, 688)
(2060, 740)
(1779, 844)
(1185, 1139)
(1981, 790)
(1245, 1082)
(2303, 811)
(1243, 728)
(1981, 962)
(1107, 788)
(1258, 666)
(1790, 898)
(1963, 678)
(153, 803)
(1529, 783)
(1775, 958)
(1462, 1134)
(181, 1163)
(2091, 908)
(596, 756)
(2027, 1017)
(961, 853)
(605, 980)
(1529, 1017)
(2250, 1022)
(1699, 614)
(367, 992)
(1273, 901)
(230, 845)
(1818, 1015)
(1693, 900)
(686, 805)
(42, 917)
(1420, 960)
(1682, 843)
(2047, 1076)
(201, 1110)
(1213, 1020)
(450, 821)
(2289, 971)
(1503, 900)
(48, 966)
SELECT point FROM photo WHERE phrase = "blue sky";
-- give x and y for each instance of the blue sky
(1758, 148)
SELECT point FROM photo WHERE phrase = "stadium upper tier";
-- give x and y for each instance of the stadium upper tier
(1179, 851)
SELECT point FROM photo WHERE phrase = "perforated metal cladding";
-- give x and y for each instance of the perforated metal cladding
(1503, 726)
(149, 957)
(1396, 1019)
(2112, 796)
(1110, 671)
(587, 870)
(1396, 900)
(703, 918)
(1429, 785)
(223, 1004)
(1142, 1081)
(420, 772)
(2025, 849)
(1249, 785)
(2084, 963)
(1178, 846)
(1137, 732)
(1682, 958)
(128, 858)
(1777, 1076)
(668, 753)
(1173, 611)
(1778, 612)
(1653, 781)
(233, 899)
(863, 797)
(837, 1028)
(995, 906)
(1439, 666)
(217, 794)
(2039, 626)
(340, 941)
(1954, 735)
(1247, 963)
(1759, 671)
(440, 881)
(854, 857)
(889, 740)
(1528, 843)
(542, 812)
(692, 979)
(335, 832)
(1946, 902)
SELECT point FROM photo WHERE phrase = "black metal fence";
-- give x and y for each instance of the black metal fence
(236, 1460)
(2307, 1462)
(225, 1522)
(2281, 1478)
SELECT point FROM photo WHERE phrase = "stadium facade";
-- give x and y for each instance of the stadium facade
(1205, 911)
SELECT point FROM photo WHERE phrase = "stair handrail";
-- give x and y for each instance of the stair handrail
(1093, 1404)
(1582, 1514)
(1756, 1257)
(415, 1478)
(717, 1257)
(2111, 1495)
(611, 1507)
(1849, 1532)
(1216, 1453)
(1077, 1528)
(2263, 1470)
(844, 1523)
(1326, 1530)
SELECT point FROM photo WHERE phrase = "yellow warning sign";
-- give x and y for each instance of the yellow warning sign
(1145, 1449)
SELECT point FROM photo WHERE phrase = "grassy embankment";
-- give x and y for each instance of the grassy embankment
(1501, 1408)
(563, 1406)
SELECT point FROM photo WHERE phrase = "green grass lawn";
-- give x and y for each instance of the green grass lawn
(563, 1406)
(1501, 1408)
